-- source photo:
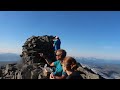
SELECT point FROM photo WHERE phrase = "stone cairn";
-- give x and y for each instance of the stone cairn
(35, 45)
(32, 66)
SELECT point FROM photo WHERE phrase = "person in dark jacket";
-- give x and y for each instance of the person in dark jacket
(70, 67)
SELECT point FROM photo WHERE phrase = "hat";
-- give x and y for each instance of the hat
(56, 37)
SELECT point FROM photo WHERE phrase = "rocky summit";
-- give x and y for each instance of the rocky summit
(32, 66)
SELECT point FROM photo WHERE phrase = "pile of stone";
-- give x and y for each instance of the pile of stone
(36, 71)
(36, 45)
(33, 71)
(88, 73)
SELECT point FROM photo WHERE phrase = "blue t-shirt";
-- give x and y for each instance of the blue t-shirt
(57, 44)
(59, 70)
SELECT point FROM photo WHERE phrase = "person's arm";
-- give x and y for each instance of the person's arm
(46, 59)
(64, 75)
(60, 77)
(50, 63)
(54, 42)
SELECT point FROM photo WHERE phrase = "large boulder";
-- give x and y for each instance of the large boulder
(35, 45)
(87, 73)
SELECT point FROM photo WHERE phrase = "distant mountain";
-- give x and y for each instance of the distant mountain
(107, 68)
(9, 57)
(3, 63)
(92, 60)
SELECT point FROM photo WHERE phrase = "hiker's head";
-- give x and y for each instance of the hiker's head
(60, 54)
(69, 63)
(56, 37)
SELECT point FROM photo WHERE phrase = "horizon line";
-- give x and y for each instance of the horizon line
(78, 56)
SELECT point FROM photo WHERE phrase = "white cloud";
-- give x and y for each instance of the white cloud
(10, 50)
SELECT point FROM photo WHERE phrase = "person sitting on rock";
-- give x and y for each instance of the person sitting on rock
(58, 73)
(70, 67)
(56, 43)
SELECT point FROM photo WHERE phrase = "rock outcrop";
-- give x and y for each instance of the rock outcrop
(32, 66)
(35, 45)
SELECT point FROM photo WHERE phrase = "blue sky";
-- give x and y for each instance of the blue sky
(82, 33)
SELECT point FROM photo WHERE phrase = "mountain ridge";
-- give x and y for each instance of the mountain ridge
(9, 57)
